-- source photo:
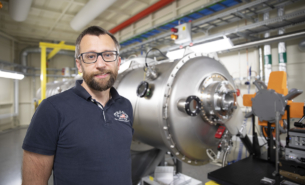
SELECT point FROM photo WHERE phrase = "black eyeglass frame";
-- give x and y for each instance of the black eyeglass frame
(101, 54)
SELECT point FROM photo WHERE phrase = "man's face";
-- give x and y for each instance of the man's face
(100, 75)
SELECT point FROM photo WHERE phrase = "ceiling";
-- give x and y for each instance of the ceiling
(49, 20)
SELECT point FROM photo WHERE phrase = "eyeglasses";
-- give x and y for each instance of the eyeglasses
(91, 57)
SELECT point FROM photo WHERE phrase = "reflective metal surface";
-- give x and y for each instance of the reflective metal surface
(161, 121)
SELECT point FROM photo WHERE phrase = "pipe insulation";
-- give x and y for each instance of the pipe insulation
(281, 45)
(19, 9)
(89, 12)
(267, 53)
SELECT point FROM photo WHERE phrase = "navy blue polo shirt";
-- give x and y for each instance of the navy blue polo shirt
(90, 143)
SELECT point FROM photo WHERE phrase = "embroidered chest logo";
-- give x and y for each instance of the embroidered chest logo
(121, 116)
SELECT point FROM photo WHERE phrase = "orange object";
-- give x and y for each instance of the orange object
(278, 82)
(247, 99)
(1, 5)
(174, 37)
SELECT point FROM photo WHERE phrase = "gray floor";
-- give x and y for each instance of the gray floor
(11, 156)
(11, 160)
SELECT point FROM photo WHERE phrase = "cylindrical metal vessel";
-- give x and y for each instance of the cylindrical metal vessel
(160, 123)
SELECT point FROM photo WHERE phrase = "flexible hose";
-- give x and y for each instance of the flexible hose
(224, 158)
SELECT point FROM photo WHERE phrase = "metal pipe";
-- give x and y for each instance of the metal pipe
(8, 36)
(224, 158)
(277, 146)
(281, 45)
(50, 75)
(4, 116)
(16, 102)
(260, 53)
(16, 98)
(266, 41)
(140, 15)
(267, 53)
(25, 52)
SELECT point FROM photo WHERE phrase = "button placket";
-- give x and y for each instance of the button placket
(101, 107)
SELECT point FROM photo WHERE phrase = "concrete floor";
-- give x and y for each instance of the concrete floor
(11, 160)
(11, 156)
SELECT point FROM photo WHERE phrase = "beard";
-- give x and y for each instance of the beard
(100, 84)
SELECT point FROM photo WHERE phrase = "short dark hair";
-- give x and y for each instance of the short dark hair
(94, 30)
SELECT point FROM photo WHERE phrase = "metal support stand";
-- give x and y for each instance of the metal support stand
(271, 148)
(277, 145)
(256, 148)
(247, 143)
(252, 147)
(178, 165)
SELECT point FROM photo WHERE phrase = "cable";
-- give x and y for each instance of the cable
(150, 51)
(262, 130)
(224, 158)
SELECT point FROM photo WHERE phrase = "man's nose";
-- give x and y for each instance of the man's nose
(100, 63)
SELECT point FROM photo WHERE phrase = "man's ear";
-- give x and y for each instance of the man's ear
(119, 62)
(79, 66)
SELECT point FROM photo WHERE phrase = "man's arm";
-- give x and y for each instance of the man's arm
(36, 168)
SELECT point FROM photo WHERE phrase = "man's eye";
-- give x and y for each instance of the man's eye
(90, 56)
(108, 54)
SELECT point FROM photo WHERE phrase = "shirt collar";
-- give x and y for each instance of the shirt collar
(81, 91)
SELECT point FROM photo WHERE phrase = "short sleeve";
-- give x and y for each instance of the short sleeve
(131, 112)
(42, 134)
(130, 115)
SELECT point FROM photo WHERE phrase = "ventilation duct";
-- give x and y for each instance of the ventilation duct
(19, 9)
(89, 12)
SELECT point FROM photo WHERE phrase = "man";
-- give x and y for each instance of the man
(83, 134)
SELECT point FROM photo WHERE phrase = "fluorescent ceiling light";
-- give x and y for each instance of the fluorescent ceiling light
(213, 46)
(176, 54)
(13, 75)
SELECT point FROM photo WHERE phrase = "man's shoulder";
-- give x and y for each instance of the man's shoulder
(61, 97)
(124, 100)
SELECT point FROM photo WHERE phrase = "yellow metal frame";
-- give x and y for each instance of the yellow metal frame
(44, 58)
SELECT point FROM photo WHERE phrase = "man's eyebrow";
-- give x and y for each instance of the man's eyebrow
(100, 52)
(109, 50)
